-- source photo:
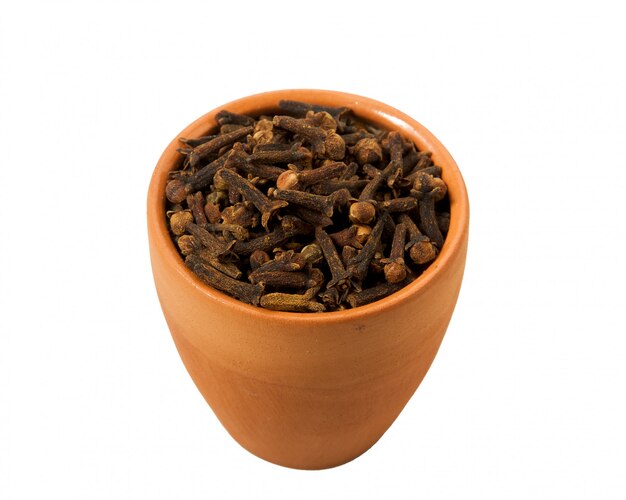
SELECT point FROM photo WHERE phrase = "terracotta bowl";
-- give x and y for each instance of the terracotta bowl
(309, 390)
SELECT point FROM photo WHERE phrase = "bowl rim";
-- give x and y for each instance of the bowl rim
(264, 102)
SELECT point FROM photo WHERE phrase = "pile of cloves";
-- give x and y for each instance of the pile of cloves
(309, 210)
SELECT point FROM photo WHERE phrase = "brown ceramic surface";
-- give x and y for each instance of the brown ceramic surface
(306, 390)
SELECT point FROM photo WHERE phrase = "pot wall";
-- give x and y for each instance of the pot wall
(309, 390)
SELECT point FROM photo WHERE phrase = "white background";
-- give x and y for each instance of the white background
(526, 398)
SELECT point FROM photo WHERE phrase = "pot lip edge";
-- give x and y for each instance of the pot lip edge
(161, 242)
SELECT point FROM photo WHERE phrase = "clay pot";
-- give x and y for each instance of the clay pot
(309, 390)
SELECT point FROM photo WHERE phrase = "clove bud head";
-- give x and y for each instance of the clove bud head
(368, 151)
(427, 183)
(176, 191)
(287, 180)
(179, 221)
(258, 258)
(335, 146)
(362, 212)
(422, 252)
(187, 244)
(395, 272)
(322, 119)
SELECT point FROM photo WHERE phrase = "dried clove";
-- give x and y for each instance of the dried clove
(311, 199)
(324, 142)
(298, 108)
(292, 302)
(321, 119)
(179, 221)
(245, 292)
(227, 128)
(188, 244)
(287, 261)
(427, 192)
(291, 179)
(216, 246)
(202, 151)
(267, 207)
(434, 170)
(177, 189)
(344, 237)
(395, 269)
(239, 232)
(362, 212)
(348, 253)
(228, 268)
(299, 156)
(323, 204)
(337, 270)
(377, 178)
(393, 171)
(357, 267)
(421, 250)
(311, 254)
(258, 258)
(281, 279)
(361, 298)
(192, 143)
(289, 228)
(368, 150)
(241, 214)
(212, 212)
(398, 204)
(351, 138)
(224, 117)
(312, 217)
(238, 159)
(195, 202)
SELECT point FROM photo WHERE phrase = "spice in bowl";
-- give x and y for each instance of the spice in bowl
(308, 210)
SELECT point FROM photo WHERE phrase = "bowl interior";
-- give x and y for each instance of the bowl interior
(365, 108)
